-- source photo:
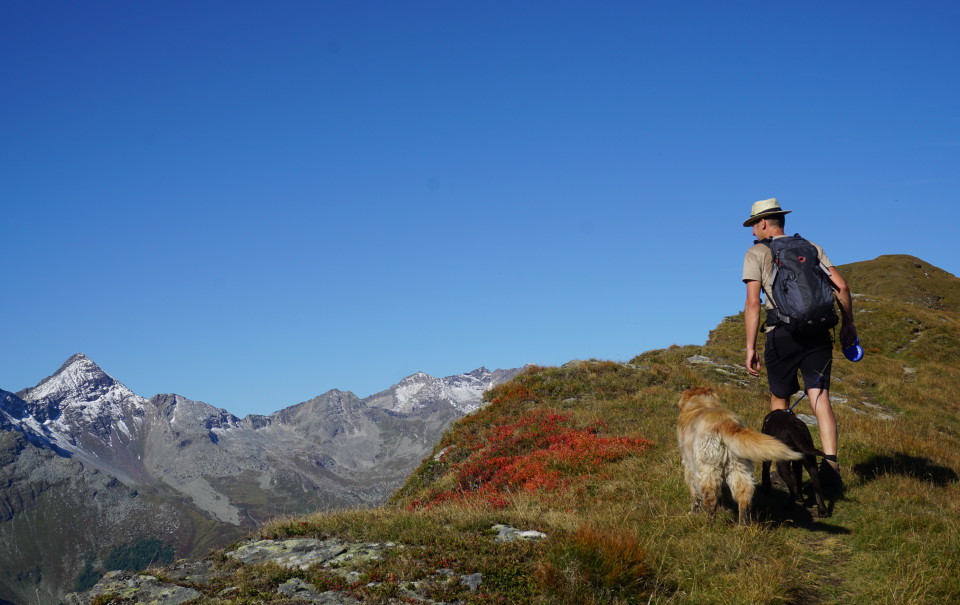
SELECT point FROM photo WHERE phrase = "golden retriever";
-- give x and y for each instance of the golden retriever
(717, 448)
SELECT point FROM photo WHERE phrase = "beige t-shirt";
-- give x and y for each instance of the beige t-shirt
(758, 266)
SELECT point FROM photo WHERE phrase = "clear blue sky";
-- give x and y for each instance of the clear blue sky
(251, 203)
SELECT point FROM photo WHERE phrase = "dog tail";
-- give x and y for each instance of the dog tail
(747, 443)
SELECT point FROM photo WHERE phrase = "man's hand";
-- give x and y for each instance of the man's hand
(848, 335)
(753, 362)
(751, 320)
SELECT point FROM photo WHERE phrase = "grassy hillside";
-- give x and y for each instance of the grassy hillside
(586, 453)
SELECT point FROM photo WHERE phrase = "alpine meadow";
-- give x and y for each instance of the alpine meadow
(582, 462)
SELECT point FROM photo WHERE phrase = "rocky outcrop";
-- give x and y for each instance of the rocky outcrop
(212, 577)
(137, 588)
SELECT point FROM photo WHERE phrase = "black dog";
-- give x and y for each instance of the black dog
(786, 427)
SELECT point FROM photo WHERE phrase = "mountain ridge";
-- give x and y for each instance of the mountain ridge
(80, 373)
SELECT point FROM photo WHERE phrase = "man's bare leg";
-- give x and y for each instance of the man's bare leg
(826, 421)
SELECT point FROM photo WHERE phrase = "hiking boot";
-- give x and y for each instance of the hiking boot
(830, 480)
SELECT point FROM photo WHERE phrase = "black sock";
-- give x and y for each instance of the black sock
(830, 457)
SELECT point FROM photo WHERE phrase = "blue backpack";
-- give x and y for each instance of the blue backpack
(802, 291)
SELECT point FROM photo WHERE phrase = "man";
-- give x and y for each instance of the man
(785, 353)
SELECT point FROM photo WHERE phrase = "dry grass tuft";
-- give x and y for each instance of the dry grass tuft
(596, 566)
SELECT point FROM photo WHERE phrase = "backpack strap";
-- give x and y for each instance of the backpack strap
(772, 317)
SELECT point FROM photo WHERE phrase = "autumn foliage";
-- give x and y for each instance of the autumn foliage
(534, 451)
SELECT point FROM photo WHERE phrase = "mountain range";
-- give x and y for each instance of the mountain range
(88, 468)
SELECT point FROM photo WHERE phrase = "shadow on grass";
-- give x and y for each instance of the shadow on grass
(777, 508)
(905, 465)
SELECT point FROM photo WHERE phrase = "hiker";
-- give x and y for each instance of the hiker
(788, 350)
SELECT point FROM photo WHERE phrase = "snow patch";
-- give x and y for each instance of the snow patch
(462, 391)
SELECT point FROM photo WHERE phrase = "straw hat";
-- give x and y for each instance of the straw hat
(763, 209)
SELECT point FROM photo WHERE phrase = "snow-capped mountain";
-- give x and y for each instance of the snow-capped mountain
(83, 411)
(464, 392)
(181, 471)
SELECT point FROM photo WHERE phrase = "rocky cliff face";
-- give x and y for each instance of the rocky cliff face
(87, 466)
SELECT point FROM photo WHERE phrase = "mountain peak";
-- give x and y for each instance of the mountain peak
(416, 377)
(79, 363)
(463, 392)
(78, 375)
(905, 279)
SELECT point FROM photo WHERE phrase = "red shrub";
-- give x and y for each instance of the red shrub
(512, 392)
(537, 451)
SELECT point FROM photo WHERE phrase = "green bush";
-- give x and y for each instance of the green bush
(87, 578)
(139, 555)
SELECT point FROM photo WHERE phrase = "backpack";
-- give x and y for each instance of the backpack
(801, 287)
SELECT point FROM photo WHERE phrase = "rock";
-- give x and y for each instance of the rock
(334, 556)
(297, 553)
(194, 572)
(134, 588)
(472, 581)
(728, 370)
(302, 553)
(505, 533)
(305, 591)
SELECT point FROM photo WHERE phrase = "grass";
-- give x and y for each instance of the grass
(586, 453)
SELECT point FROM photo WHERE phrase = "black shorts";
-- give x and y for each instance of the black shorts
(785, 353)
